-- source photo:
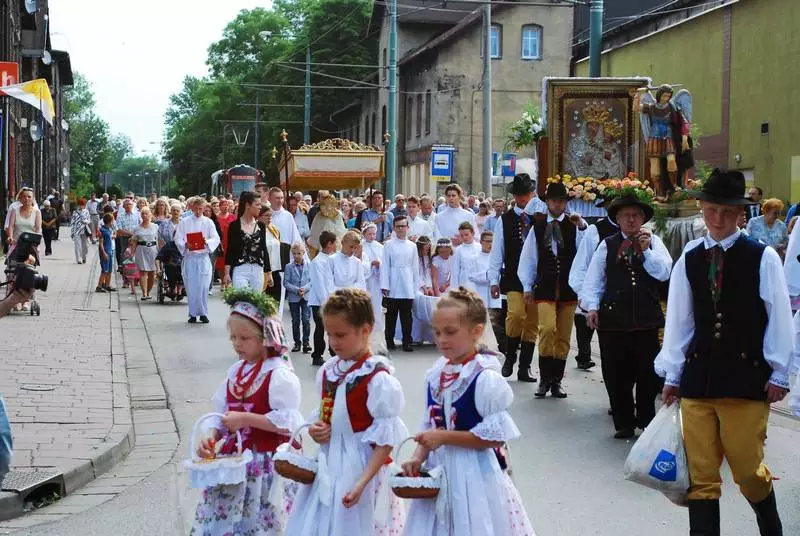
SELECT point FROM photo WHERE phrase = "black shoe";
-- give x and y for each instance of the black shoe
(525, 360)
(306, 348)
(610, 411)
(545, 374)
(100, 289)
(704, 518)
(391, 346)
(769, 522)
(204, 319)
(407, 348)
(625, 433)
(512, 345)
(317, 361)
(586, 364)
(296, 347)
(558, 374)
(193, 320)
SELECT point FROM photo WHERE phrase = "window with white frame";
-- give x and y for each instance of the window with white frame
(531, 42)
(495, 42)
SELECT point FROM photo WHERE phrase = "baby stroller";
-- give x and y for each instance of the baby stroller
(21, 259)
(171, 279)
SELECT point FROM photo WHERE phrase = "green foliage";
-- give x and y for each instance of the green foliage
(266, 304)
(199, 134)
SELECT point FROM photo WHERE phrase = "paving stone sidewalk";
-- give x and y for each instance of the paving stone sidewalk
(63, 375)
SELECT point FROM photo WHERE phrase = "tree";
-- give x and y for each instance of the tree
(198, 129)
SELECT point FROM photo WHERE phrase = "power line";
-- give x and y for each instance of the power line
(369, 84)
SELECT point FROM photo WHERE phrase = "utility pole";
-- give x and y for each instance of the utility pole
(258, 121)
(595, 37)
(391, 119)
(487, 100)
(307, 101)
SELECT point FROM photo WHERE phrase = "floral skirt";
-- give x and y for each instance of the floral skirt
(245, 509)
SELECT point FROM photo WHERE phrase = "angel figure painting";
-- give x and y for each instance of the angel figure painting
(666, 122)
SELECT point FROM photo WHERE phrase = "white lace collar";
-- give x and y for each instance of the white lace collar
(269, 364)
(367, 368)
(484, 360)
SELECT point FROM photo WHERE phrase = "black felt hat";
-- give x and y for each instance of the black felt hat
(555, 190)
(521, 185)
(723, 188)
(629, 201)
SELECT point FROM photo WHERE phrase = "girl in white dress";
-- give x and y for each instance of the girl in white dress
(440, 272)
(260, 396)
(357, 424)
(465, 424)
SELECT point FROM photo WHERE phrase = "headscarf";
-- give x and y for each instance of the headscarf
(262, 310)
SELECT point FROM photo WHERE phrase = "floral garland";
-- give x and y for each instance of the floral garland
(527, 130)
(589, 189)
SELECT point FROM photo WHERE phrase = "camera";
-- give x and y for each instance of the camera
(25, 276)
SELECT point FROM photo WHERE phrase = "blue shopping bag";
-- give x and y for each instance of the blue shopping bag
(5, 440)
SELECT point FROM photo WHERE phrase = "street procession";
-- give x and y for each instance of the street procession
(501, 297)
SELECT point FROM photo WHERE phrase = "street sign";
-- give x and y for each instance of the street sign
(442, 164)
(509, 165)
(9, 73)
(495, 164)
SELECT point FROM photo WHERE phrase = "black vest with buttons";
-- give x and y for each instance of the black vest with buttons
(513, 240)
(605, 228)
(552, 278)
(726, 356)
(631, 299)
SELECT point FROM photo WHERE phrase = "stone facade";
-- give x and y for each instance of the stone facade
(440, 96)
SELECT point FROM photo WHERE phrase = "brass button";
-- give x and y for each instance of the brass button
(718, 335)
(717, 325)
(719, 315)
(633, 284)
(744, 355)
(695, 354)
(755, 363)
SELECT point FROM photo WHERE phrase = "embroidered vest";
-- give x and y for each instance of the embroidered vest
(552, 278)
(726, 356)
(514, 233)
(631, 299)
(464, 416)
(255, 401)
(357, 392)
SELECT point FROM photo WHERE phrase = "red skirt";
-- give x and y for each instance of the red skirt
(658, 147)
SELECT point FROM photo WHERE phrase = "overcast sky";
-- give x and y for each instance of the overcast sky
(136, 54)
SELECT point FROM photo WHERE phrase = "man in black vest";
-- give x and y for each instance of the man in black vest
(522, 319)
(543, 270)
(621, 292)
(727, 352)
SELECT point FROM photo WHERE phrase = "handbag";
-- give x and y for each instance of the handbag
(5, 440)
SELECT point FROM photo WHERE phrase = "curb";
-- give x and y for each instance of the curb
(121, 437)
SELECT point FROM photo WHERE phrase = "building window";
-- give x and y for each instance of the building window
(384, 65)
(495, 42)
(409, 117)
(531, 42)
(419, 115)
(375, 137)
(428, 112)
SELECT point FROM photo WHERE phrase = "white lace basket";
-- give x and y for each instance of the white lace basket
(425, 486)
(292, 464)
(220, 470)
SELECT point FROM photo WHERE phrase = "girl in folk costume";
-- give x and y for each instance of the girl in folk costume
(356, 426)
(261, 398)
(465, 425)
(440, 271)
(373, 254)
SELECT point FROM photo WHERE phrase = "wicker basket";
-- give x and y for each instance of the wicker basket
(220, 470)
(295, 465)
(424, 486)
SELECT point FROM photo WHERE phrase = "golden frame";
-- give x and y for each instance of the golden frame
(560, 92)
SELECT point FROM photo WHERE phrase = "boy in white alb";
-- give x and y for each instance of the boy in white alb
(452, 216)
(347, 269)
(400, 282)
(479, 275)
(464, 257)
(320, 271)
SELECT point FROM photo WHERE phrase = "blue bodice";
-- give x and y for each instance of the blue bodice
(464, 416)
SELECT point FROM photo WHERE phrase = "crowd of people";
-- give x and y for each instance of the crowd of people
(486, 281)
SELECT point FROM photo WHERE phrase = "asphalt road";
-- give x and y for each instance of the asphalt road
(567, 466)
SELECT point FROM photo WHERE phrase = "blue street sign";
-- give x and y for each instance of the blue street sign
(442, 164)
(509, 164)
(495, 164)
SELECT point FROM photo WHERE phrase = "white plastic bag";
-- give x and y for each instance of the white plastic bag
(658, 459)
